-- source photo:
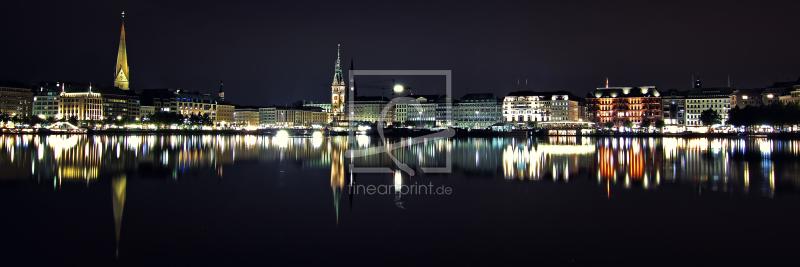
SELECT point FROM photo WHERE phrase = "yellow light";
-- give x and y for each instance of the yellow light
(398, 88)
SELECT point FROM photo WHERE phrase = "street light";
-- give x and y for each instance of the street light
(398, 88)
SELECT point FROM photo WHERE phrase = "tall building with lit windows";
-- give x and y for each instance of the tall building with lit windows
(620, 104)
(15, 98)
(701, 99)
(674, 104)
(122, 74)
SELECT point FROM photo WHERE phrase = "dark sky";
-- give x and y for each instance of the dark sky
(272, 52)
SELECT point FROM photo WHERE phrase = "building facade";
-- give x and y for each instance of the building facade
(674, 107)
(16, 99)
(530, 106)
(620, 104)
(246, 116)
(700, 99)
(45, 102)
(477, 111)
(267, 117)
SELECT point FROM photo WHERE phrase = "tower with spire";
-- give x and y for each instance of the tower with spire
(122, 75)
(221, 93)
(337, 89)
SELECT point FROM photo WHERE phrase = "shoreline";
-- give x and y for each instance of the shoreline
(460, 133)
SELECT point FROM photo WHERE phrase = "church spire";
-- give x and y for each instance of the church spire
(338, 79)
(122, 75)
(221, 93)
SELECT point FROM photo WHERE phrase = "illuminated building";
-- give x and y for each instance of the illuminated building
(337, 90)
(530, 106)
(300, 116)
(122, 75)
(15, 98)
(785, 92)
(147, 111)
(98, 103)
(246, 116)
(190, 103)
(369, 108)
(224, 114)
(427, 111)
(477, 110)
(45, 101)
(674, 103)
(267, 117)
(620, 104)
(701, 99)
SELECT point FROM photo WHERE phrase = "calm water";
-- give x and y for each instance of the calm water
(137, 200)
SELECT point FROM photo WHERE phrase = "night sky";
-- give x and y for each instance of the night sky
(273, 52)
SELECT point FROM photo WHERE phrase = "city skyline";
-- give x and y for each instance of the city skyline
(175, 46)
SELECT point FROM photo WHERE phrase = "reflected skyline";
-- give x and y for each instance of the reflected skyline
(712, 164)
(224, 182)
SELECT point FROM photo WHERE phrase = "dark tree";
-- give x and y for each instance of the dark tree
(627, 124)
(710, 117)
(609, 124)
(660, 124)
(646, 124)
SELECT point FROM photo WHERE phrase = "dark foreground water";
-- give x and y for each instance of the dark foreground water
(189, 200)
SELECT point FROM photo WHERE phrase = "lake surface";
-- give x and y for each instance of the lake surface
(135, 200)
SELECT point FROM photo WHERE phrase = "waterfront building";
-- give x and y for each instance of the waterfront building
(15, 98)
(324, 106)
(147, 111)
(300, 116)
(674, 104)
(247, 116)
(369, 108)
(98, 103)
(785, 92)
(224, 114)
(620, 104)
(190, 103)
(477, 111)
(122, 74)
(701, 99)
(267, 116)
(45, 101)
(426, 114)
(529, 106)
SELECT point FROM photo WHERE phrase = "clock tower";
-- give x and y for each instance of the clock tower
(338, 90)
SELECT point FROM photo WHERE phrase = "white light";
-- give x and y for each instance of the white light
(398, 88)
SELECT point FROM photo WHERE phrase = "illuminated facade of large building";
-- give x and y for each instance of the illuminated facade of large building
(190, 103)
(45, 101)
(98, 103)
(246, 116)
(674, 104)
(122, 74)
(620, 104)
(530, 106)
(701, 99)
(477, 110)
(427, 112)
(15, 99)
(300, 116)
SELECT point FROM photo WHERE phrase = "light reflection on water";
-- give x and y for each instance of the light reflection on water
(714, 164)
(751, 167)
